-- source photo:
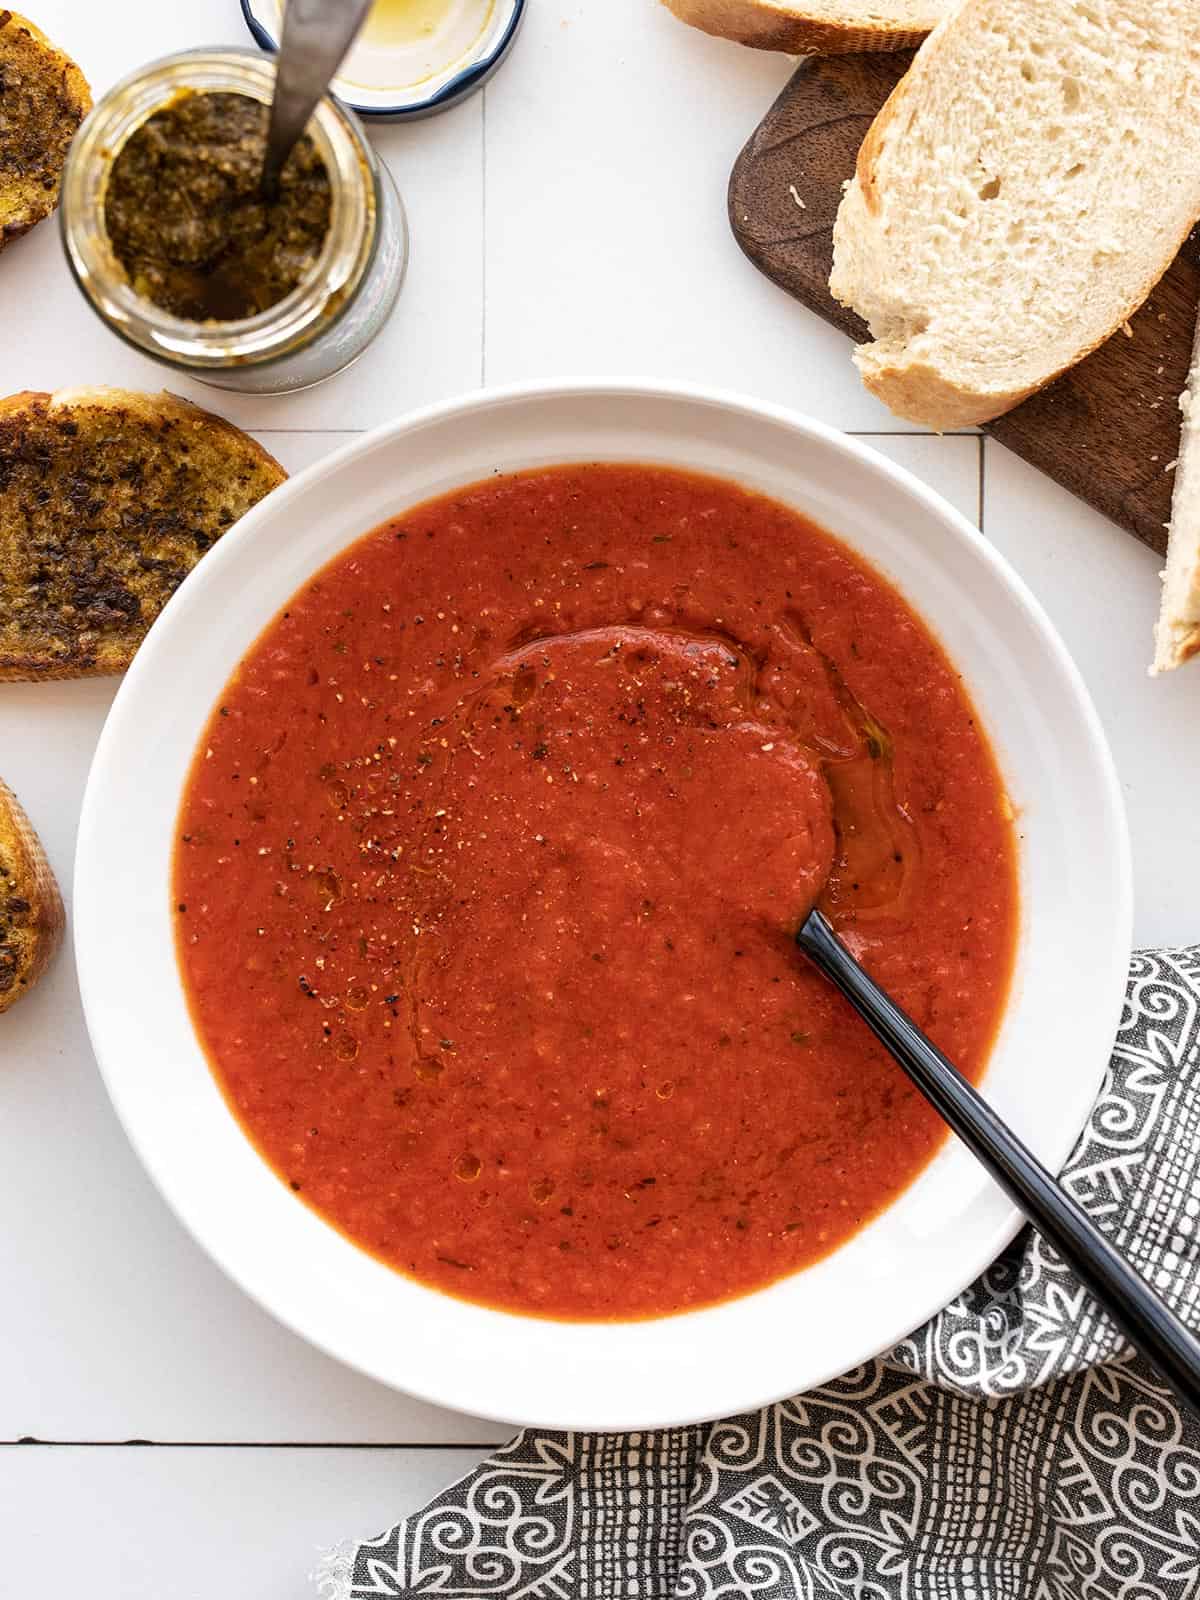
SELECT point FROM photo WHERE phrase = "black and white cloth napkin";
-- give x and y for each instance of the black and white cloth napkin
(1012, 1449)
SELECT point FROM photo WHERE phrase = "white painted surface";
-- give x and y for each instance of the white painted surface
(1101, 589)
(200, 1523)
(573, 224)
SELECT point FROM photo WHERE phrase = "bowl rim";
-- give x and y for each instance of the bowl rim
(470, 77)
(560, 391)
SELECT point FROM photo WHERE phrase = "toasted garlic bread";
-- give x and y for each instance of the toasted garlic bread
(31, 911)
(108, 499)
(43, 99)
(815, 27)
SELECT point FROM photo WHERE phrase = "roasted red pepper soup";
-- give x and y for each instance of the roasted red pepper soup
(489, 866)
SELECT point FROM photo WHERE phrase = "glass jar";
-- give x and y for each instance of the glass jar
(325, 322)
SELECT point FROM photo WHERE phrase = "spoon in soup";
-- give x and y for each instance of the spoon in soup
(1150, 1325)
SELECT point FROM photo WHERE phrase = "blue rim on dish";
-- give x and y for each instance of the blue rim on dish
(464, 82)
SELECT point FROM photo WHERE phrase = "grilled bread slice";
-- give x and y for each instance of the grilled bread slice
(31, 912)
(108, 499)
(815, 27)
(43, 99)
(1027, 183)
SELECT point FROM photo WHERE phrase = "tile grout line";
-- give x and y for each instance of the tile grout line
(982, 478)
(237, 1444)
(483, 96)
(853, 433)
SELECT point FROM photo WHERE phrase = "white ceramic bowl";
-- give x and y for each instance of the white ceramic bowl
(1045, 1070)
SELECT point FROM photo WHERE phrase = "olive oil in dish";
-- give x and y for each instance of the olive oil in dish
(408, 42)
(400, 22)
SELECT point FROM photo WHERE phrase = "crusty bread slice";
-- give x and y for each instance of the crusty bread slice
(31, 911)
(108, 499)
(1023, 189)
(43, 99)
(1177, 636)
(815, 27)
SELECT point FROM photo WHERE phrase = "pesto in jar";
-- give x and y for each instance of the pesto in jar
(187, 221)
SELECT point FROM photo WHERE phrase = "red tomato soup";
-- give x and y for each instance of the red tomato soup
(488, 870)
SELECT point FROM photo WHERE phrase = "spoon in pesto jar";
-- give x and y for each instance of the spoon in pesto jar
(1150, 1325)
(313, 41)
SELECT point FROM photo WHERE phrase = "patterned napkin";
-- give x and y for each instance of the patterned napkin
(1011, 1449)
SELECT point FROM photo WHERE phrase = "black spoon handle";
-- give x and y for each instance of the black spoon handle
(1151, 1326)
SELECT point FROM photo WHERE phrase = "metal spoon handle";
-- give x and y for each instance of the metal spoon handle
(313, 42)
(1156, 1331)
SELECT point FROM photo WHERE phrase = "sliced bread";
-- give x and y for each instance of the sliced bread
(43, 99)
(108, 499)
(31, 911)
(815, 27)
(1018, 196)
(1177, 636)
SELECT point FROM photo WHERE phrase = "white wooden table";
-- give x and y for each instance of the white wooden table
(160, 1436)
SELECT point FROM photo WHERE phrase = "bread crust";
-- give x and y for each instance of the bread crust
(33, 660)
(869, 150)
(1183, 649)
(1177, 630)
(26, 199)
(790, 29)
(919, 392)
(29, 937)
(152, 407)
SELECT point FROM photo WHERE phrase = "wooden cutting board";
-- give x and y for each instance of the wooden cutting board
(1107, 430)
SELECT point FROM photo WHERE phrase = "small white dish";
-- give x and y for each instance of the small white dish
(413, 57)
(1045, 1070)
